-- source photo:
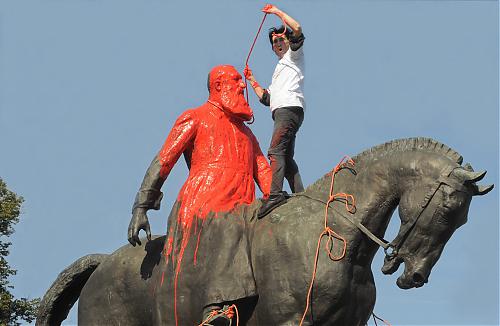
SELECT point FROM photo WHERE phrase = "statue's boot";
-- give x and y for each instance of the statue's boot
(214, 315)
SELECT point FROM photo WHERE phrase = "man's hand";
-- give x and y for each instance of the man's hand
(248, 73)
(138, 222)
(271, 9)
(287, 20)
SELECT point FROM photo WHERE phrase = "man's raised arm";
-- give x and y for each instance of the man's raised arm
(292, 23)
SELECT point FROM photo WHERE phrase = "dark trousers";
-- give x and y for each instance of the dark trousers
(287, 122)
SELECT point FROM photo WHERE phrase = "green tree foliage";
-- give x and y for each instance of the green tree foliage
(11, 309)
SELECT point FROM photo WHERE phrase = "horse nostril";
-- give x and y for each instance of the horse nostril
(418, 279)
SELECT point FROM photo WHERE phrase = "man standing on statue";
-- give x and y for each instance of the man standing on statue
(210, 244)
(285, 97)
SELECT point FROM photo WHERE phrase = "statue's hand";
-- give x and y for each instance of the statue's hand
(138, 222)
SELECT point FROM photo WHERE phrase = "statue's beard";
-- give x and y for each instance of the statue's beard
(234, 103)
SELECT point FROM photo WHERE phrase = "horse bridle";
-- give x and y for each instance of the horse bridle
(391, 249)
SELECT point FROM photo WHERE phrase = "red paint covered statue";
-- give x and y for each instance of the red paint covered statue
(224, 160)
(224, 154)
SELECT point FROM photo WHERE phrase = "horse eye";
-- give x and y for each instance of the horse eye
(443, 214)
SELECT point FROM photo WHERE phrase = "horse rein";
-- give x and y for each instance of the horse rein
(391, 249)
(381, 242)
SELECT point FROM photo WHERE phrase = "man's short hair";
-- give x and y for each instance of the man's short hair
(279, 30)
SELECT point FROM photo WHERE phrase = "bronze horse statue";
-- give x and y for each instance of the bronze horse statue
(422, 176)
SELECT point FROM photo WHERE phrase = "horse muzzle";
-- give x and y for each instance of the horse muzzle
(413, 277)
(411, 280)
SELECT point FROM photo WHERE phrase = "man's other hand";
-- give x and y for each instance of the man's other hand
(248, 73)
(271, 9)
(138, 222)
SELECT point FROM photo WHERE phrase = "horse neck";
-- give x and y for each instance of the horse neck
(378, 185)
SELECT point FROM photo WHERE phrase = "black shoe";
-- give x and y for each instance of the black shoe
(271, 203)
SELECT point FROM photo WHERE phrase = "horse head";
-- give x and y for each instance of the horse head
(430, 213)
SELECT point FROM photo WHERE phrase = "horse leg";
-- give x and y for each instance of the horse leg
(348, 303)
(364, 294)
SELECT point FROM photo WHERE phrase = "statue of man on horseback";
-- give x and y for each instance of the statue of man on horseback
(227, 258)
(224, 159)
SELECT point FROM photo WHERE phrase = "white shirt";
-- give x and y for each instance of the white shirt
(287, 85)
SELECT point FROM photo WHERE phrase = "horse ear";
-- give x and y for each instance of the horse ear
(468, 167)
(482, 190)
(468, 176)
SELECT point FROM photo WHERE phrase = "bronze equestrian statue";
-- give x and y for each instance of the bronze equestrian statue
(421, 176)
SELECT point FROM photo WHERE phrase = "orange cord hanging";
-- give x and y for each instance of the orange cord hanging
(230, 312)
(375, 317)
(253, 44)
(251, 49)
(350, 207)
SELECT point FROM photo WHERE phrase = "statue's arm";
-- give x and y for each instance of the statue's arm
(149, 195)
(262, 170)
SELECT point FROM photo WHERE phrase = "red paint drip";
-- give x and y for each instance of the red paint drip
(184, 243)
(168, 251)
(198, 243)
(168, 247)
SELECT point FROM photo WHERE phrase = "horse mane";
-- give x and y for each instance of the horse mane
(410, 144)
(402, 145)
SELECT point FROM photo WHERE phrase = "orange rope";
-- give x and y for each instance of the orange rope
(251, 49)
(229, 313)
(253, 44)
(375, 321)
(350, 207)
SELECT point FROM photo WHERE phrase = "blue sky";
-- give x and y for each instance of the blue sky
(90, 88)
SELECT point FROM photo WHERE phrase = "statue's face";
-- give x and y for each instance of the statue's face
(232, 84)
(280, 45)
(232, 94)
